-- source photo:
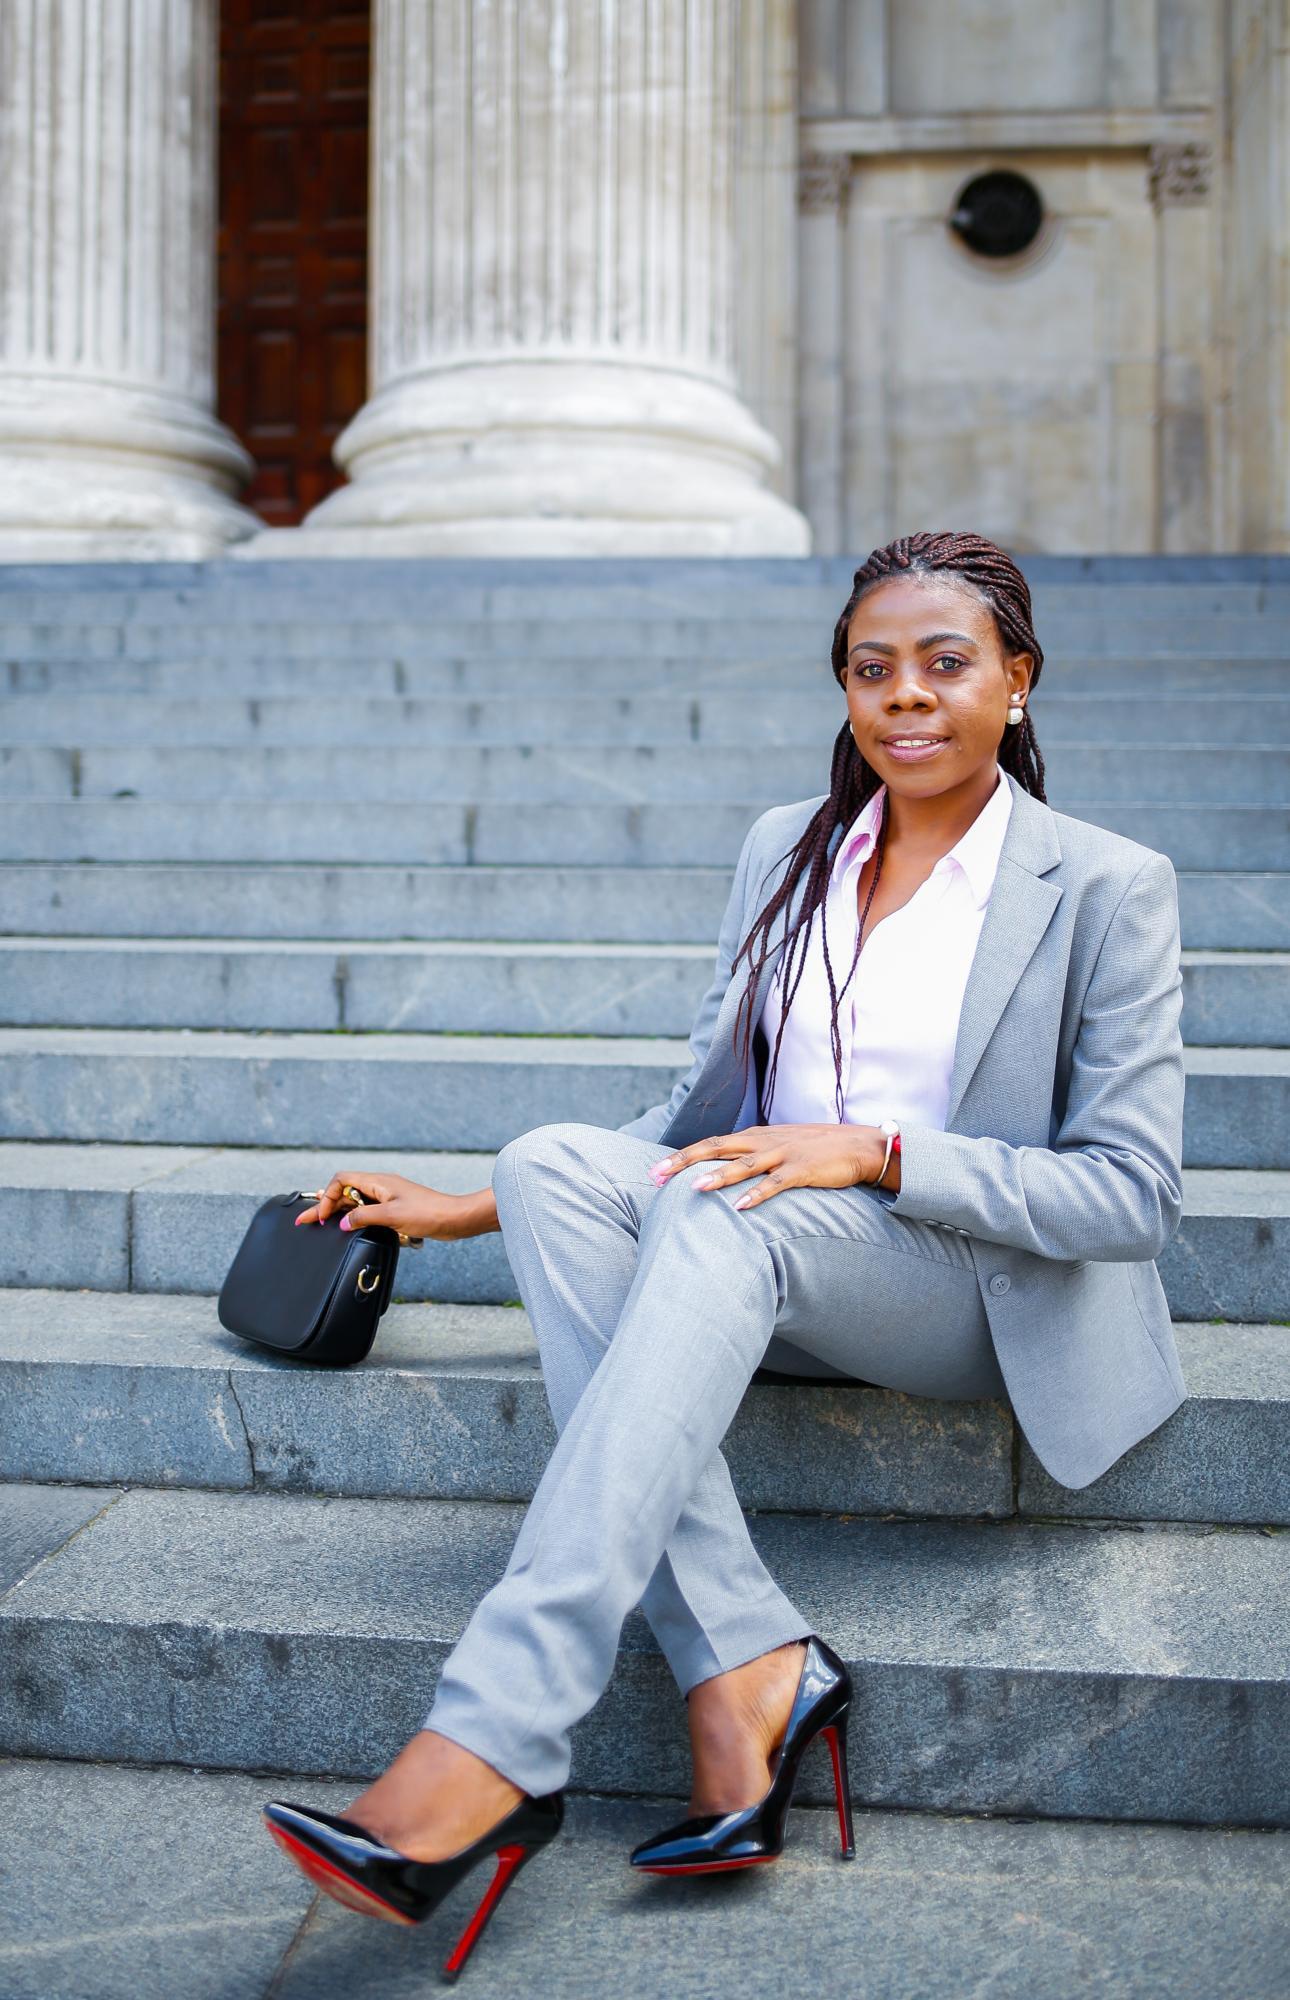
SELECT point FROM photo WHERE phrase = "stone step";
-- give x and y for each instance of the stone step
(1147, 1912)
(450, 1405)
(703, 674)
(168, 1219)
(1229, 998)
(1214, 837)
(232, 574)
(1014, 1667)
(638, 588)
(1230, 1258)
(353, 900)
(1131, 773)
(199, 1087)
(534, 904)
(642, 626)
(565, 720)
(1235, 997)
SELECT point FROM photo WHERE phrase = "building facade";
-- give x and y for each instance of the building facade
(642, 276)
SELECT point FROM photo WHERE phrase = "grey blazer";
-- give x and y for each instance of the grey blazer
(1061, 1156)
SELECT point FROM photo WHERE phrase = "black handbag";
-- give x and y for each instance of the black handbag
(315, 1293)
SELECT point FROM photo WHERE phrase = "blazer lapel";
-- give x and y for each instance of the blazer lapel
(1020, 910)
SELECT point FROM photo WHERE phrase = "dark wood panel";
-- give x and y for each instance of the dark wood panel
(292, 240)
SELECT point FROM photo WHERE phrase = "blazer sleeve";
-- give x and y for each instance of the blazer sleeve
(653, 1123)
(1110, 1186)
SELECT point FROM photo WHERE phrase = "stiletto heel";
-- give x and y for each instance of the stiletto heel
(360, 1871)
(700, 1846)
(836, 1738)
(510, 1860)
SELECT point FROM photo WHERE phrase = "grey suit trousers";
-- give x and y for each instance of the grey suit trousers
(651, 1308)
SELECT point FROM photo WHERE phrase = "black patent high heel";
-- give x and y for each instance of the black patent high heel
(342, 1857)
(821, 1707)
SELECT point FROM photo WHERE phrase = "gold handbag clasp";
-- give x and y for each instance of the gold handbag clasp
(368, 1271)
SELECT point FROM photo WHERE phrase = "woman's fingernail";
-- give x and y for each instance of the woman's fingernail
(744, 1201)
(707, 1182)
(344, 1222)
(299, 1220)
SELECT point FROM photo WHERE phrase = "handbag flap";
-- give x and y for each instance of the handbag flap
(282, 1278)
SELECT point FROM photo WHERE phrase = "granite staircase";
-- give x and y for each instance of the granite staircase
(384, 863)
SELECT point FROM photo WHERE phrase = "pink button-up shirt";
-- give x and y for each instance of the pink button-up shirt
(899, 1017)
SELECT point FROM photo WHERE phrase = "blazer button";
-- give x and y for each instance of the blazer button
(1000, 1283)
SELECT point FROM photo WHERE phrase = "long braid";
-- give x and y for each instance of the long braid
(853, 781)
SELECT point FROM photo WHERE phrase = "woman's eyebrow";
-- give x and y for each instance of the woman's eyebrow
(932, 639)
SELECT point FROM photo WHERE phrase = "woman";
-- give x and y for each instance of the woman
(943, 1163)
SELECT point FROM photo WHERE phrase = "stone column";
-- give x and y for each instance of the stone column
(552, 291)
(108, 444)
(766, 228)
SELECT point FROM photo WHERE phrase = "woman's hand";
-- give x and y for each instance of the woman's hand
(405, 1205)
(789, 1156)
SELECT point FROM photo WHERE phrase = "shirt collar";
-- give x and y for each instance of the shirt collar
(976, 852)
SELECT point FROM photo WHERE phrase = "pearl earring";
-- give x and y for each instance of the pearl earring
(1016, 712)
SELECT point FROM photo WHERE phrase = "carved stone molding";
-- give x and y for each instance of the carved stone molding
(822, 180)
(1179, 173)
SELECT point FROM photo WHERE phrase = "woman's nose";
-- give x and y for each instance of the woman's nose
(909, 694)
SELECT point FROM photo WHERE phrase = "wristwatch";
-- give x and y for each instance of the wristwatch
(891, 1132)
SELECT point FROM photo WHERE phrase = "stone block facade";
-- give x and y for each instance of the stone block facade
(692, 278)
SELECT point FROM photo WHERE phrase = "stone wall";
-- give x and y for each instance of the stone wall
(680, 280)
(1066, 398)
(1258, 273)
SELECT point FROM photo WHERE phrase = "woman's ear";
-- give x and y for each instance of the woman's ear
(1019, 668)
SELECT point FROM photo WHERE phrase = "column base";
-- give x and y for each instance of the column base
(552, 457)
(98, 472)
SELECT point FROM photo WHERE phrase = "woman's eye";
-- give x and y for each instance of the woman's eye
(861, 667)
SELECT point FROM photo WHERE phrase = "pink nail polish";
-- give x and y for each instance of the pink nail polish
(744, 1201)
(344, 1222)
(299, 1220)
(706, 1182)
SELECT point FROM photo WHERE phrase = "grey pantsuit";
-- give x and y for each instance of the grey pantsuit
(652, 1308)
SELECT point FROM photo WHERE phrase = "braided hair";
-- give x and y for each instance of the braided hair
(853, 781)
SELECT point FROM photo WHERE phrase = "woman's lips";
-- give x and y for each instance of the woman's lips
(910, 753)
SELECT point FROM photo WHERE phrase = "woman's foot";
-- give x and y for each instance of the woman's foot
(434, 1799)
(737, 1723)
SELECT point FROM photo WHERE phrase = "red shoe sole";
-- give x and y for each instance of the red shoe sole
(336, 1882)
(705, 1867)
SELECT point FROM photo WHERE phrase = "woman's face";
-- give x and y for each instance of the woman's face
(925, 661)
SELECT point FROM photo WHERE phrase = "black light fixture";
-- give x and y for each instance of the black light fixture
(998, 214)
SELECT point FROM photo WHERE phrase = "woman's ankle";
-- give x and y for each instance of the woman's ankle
(737, 1722)
(435, 1798)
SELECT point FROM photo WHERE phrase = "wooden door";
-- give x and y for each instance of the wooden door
(292, 240)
